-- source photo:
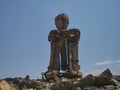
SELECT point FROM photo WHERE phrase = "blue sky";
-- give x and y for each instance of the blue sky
(25, 25)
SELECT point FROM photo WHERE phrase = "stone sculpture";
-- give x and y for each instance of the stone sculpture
(64, 50)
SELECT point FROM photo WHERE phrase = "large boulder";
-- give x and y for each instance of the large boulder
(98, 81)
(106, 73)
(89, 80)
(102, 81)
(6, 86)
(64, 84)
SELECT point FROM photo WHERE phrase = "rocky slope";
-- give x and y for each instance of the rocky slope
(104, 81)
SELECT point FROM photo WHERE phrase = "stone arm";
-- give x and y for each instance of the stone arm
(74, 35)
(54, 36)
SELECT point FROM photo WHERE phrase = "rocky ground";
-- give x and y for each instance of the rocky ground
(104, 81)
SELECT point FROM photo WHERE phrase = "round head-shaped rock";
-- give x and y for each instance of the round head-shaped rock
(62, 21)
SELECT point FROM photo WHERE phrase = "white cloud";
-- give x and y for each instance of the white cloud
(102, 65)
(107, 62)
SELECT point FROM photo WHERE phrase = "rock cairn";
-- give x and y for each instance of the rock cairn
(104, 81)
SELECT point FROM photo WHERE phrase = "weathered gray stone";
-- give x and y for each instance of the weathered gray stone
(117, 77)
(78, 88)
(90, 88)
(116, 82)
(109, 87)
